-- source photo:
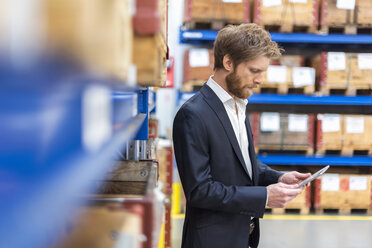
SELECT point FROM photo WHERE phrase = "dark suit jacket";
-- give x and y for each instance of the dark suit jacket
(221, 197)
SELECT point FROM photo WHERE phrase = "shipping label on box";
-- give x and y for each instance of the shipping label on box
(345, 4)
(271, 3)
(330, 122)
(298, 1)
(297, 123)
(358, 182)
(365, 61)
(270, 122)
(276, 74)
(302, 76)
(199, 57)
(232, 1)
(336, 61)
(330, 182)
(354, 124)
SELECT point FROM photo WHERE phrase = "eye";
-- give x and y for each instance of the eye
(255, 71)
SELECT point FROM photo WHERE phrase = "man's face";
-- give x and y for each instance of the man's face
(246, 76)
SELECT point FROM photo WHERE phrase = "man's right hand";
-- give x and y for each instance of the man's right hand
(280, 194)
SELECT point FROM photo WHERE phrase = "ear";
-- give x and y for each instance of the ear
(228, 63)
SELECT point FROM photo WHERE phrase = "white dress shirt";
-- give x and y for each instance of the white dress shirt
(235, 109)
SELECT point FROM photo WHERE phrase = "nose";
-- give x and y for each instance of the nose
(258, 80)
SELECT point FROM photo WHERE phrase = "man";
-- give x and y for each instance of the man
(226, 187)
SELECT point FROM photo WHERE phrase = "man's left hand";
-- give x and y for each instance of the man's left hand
(293, 177)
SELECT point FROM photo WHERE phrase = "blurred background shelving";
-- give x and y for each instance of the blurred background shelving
(291, 119)
(90, 88)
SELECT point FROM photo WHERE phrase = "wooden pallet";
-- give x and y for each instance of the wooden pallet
(356, 21)
(343, 210)
(329, 150)
(128, 177)
(192, 85)
(287, 17)
(302, 211)
(351, 150)
(351, 90)
(346, 29)
(286, 148)
(208, 24)
(215, 14)
(284, 89)
(343, 193)
(291, 28)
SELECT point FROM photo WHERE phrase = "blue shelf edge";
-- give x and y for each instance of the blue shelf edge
(208, 36)
(296, 99)
(302, 160)
(310, 100)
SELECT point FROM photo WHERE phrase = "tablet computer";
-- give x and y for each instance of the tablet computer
(313, 176)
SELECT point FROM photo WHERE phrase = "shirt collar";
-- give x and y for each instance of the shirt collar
(222, 94)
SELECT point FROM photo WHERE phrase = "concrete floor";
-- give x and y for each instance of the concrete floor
(305, 232)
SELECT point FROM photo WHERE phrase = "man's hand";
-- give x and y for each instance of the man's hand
(293, 177)
(280, 194)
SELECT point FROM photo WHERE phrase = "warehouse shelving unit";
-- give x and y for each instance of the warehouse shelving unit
(58, 134)
(301, 103)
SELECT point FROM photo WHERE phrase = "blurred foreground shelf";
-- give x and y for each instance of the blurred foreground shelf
(58, 132)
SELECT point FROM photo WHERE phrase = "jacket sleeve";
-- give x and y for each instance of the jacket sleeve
(267, 175)
(191, 146)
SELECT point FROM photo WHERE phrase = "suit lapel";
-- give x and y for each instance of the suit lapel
(215, 103)
(252, 153)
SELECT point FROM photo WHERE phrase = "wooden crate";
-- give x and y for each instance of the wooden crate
(359, 78)
(347, 21)
(103, 226)
(96, 33)
(150, 57)
(364, 12)
(151, 17)
(129, 177)
(329, 134)
(282, 87)
(288, 85)
(132, 185)
(165, 156)
(350, 78)
(198, 65)
(287, 17)
(284, 139)
(329, 78)
(357, 134)
(216, 13)
(343, 192)
(302, 203)
(291, 60)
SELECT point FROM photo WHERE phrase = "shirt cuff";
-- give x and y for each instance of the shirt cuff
(267, 198)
